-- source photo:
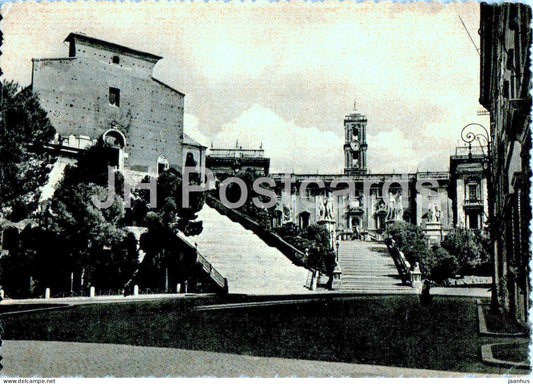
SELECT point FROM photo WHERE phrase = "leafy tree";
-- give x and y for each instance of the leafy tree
(410, 239)
(24, 165)
(166, 259)
(438, 265)
(470, 249)
(90, 231)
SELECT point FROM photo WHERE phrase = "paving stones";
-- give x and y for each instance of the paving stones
(66, 359)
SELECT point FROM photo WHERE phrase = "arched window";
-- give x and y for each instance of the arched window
(162, 163)
(189, 160)
(114, 138)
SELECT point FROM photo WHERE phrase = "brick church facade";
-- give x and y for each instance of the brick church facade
(106, 91)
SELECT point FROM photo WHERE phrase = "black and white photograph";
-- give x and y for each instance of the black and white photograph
(265, 189)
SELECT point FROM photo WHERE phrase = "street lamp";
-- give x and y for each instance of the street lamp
(469, 135)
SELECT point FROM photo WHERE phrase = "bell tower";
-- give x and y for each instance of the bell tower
(355, 143)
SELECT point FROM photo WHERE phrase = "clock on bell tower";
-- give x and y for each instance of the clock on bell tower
(355, 143)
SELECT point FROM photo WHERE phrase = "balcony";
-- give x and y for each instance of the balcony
(237, 153)
(473, 203)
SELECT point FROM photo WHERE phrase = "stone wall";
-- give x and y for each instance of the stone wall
(75, 92)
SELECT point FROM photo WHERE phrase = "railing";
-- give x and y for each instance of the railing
(474, 150)
(294, 254)
(402, 265)
(473, 203)
(220, 280)
(237, 153)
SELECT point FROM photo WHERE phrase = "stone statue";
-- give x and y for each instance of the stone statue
(392, 204)
(327, 208)
(434, 213)
(287, 214)
(399, 207)
(430, 214)
(437, 214)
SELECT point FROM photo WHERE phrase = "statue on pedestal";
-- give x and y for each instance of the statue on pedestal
(430, 214)
(398, 215)
(437, 214)
(392, 202)
(325, 211)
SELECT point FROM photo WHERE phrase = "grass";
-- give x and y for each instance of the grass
(500, 322)
(393, 331)
(516, 352)
(24, 307)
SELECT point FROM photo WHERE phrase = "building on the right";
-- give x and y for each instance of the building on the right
(505, 92)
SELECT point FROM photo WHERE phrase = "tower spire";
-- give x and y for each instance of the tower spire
(354, 104)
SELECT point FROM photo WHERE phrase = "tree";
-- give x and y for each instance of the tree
(470, 248)
(410, 239)
(94, 234)
(24, 164)
(166, 257)
(438, 265)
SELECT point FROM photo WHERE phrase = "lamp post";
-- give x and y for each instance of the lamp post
(469, 135)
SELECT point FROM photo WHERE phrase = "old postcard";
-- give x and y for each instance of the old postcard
(265, 189)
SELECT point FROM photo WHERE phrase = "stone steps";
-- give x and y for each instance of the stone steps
(368, 268)
(250, 265)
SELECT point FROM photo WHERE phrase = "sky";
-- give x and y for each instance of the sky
(285, 74)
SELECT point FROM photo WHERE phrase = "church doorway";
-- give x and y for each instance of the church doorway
(116, 143)
(162, 164)
(304, 219)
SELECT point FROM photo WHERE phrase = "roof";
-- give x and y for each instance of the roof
(167, 86)
(190, 141)
(113, 47)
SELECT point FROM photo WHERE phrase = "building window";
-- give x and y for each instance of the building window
(116, 60)
(472, 192)
(114, 96)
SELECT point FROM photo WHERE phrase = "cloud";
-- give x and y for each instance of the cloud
(391, 151)
(191, 126)
(412, 67)
(290, 147)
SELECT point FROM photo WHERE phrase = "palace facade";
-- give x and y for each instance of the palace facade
(505, 86)
(436, 201)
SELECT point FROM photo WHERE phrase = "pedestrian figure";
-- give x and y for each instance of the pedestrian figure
(425, 295)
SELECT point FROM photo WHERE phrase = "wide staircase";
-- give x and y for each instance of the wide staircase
(367, 267)
(249, 265)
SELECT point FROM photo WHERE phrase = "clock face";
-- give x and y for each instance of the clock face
(355, 145)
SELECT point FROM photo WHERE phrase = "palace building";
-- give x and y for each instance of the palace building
(436, 201)
(505, 86)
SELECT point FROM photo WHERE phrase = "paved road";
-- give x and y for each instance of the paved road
(57, 359)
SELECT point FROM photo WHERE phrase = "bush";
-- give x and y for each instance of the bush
(440, 265)
(411, 240)
(469, 248)
(314, 238)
